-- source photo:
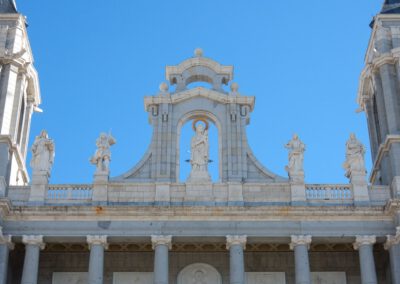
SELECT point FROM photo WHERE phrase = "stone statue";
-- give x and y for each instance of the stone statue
(42, 153)
(102, 156)
(355, 152)
(295, 168)
(199, 153)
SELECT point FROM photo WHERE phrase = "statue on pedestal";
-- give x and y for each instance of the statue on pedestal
(355, 151)
(200, 152)
(42, 153)
(102, 156)
(295, 168)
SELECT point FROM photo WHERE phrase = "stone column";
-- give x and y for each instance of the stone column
(236, 246)
(393, 246)
(33, 245)
(364, 244)
(161, 246)
(301, 245)
(5, 246)
(97, 244)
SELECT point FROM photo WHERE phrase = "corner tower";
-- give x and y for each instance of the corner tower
(19, 95)
(379, 96)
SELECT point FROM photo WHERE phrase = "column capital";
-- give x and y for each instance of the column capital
(157, 240)
(232, 240)
(97, 240)
(6, 240)
(298, 240)
(364, 241)
(35, 240)
(392, 240)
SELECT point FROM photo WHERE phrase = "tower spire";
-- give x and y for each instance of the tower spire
(8, 6)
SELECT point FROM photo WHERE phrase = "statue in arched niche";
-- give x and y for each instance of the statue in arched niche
(199, 151)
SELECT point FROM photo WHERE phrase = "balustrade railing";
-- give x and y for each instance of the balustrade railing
(328, 192)
(70, 192)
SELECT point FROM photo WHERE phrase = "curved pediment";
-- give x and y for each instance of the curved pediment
(199, 69)
(199, 92)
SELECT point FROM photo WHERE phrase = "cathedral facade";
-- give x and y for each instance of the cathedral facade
(251, 227)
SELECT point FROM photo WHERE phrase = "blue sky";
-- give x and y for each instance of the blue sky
(301, 59)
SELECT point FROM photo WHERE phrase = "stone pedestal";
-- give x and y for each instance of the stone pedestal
(199, 192)
(360, 188)
(235, 193)
(364, 244)
(161, 246)
(163, 193)
(100, 187)
(236, 246)
(39, 186)
(298, 193)
(199, 176)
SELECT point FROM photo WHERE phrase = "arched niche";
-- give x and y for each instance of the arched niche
(188, 117)
(199, 273)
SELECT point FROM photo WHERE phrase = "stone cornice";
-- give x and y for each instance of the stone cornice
(383, 149)
(199, 92)
(300, 240)
(392, 240)
(198, 213)
(232, 240)
(35, 240)
(158, 240)
(97, 240)
(364, 241)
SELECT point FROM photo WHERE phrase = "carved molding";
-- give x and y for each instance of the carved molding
(97, 240)
(35, 240)
(195, 247)
(392, 240)
(300, 240)
(236, 240)
(364, 241)
(158, 240)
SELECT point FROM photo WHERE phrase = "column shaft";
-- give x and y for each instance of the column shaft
(96, 264)
(236, 264)
(394, 253)
(302, 264)
(161, 264)
(367, 265)
(31, 264)
(4, 252)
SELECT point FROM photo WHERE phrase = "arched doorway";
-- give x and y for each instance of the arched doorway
(199, 273)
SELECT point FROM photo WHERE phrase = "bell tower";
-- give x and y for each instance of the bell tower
(379, 96)
(19, 95)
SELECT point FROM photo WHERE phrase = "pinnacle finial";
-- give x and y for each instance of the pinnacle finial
(198, 52)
